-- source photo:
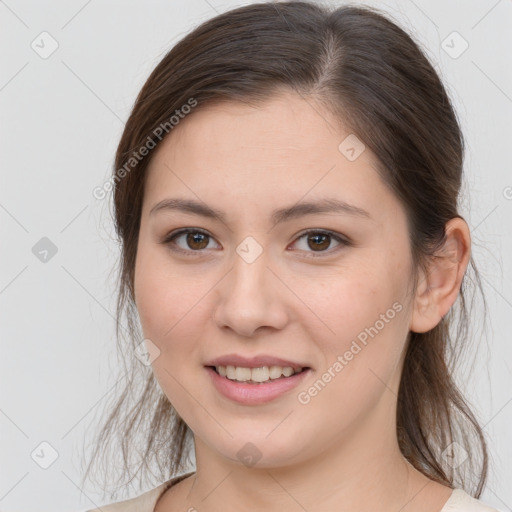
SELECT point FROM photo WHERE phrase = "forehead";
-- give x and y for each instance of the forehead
(282, 150)
(287, 122)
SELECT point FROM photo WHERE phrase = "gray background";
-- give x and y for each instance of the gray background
(62, 117)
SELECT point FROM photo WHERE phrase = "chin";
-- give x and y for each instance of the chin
(258, 451)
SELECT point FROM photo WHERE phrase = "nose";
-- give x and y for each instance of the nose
(251, 297)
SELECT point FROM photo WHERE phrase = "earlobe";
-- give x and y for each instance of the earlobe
(439, 287)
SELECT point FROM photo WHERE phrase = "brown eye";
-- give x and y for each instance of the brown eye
(319, 241)
(192, 240)
(196, 241)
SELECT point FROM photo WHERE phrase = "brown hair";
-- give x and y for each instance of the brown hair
(375, 79)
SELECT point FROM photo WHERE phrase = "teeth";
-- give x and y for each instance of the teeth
(242, 374)
(230, 372)
(287, 371)
(275, 372)
(261, 374)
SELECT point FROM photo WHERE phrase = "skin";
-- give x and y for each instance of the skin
(339, 451)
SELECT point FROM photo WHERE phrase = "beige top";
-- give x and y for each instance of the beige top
(459, 501)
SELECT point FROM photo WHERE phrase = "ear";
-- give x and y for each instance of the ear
(438, 289)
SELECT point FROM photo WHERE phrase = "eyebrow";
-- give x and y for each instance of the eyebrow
(327, 205)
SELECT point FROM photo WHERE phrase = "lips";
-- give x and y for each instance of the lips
(252, 394)
(236, 378)
(255, 362)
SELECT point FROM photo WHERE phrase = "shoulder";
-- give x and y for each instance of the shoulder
(144, 503)
(461, 501)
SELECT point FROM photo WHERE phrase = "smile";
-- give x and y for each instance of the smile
(256, 375)
(255, 386)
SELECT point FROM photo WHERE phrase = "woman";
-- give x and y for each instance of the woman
(286, 196)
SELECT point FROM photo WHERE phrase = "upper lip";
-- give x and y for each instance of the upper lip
(253, 362)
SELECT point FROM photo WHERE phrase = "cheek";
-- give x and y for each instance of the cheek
(174, 306)
(161, 294)
(352, 299)
(360, 366)
(364, 318)
(168, 307)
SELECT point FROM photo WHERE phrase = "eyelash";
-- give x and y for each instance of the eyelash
(169, 241)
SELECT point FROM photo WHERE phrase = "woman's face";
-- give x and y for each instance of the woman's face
(253, 286)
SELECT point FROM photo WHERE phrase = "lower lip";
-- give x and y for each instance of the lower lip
(254, 394)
